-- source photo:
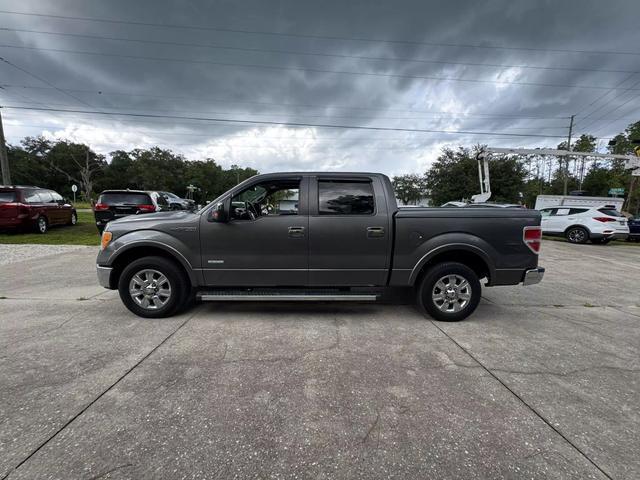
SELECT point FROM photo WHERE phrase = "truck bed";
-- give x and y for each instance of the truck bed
(494, 235)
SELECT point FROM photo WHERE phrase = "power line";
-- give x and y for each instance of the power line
(313, 36)
(303, 115)
(593, 122)
(304, 105)
(313, 54)
(603, 95)
(306, 69)
(23, 70)
(290, 124)
(626, 90)
(619, 118)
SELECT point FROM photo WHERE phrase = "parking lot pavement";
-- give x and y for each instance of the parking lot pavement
(542, 382)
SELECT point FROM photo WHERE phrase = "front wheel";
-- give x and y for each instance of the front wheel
(577, 235)
(449, 292)
(153, 287)
(42, 225)
(74, 218)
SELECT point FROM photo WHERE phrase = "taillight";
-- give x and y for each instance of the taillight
(532, 237)
(146, 208)
(99, 207)
(604, 219)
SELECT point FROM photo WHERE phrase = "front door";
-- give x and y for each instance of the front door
(349, 232)
(265, 241)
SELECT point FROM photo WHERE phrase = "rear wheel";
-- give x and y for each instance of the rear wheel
(577, 235)
(42, 225)
(449, 292)
(153, 287)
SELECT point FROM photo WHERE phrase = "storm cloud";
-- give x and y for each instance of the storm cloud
(513, 72)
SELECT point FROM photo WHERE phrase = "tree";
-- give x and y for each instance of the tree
(410, 189)
(67, 163)
(454, 176)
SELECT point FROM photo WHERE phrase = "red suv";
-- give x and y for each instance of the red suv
(34, 208)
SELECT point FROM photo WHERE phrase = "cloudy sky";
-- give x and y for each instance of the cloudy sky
(503, 73)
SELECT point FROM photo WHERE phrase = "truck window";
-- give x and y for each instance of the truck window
(266, 200)
(345, 198)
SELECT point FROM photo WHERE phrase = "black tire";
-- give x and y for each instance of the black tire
(426, 292)
(42, 224)
(577, 235)
(74, 219)
(176, 278)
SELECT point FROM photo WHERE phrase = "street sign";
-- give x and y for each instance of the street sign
(616, 191)
(74, 188)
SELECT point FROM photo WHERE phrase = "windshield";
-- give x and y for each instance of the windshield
(7, 197)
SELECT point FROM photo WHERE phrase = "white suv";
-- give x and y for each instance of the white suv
(581, 224)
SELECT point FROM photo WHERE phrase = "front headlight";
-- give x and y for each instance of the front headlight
(106, 238)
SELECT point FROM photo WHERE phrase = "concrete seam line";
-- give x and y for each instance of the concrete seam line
(532, 409)
(55, 434)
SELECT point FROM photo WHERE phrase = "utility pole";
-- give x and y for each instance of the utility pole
(4, 160)
(566, 170)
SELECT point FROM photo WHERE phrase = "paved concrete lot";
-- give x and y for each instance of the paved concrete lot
(542, 382)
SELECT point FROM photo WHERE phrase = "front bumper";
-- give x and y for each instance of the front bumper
(104, 276)
(533, 276)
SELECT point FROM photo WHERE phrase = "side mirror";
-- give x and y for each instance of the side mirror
(219, 213)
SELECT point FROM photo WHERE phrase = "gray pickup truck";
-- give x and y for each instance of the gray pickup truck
(317, 237)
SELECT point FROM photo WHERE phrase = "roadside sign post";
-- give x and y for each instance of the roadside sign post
(74, 189)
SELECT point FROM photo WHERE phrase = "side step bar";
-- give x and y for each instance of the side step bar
(284, 296)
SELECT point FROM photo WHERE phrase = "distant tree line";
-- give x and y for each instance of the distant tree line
(454, 175)
(59, 164)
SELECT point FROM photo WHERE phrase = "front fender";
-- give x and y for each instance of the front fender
(153, 239)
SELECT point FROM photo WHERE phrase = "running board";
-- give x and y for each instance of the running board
(284, 296)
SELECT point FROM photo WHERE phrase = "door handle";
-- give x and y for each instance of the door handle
(296, 232)
(375, 232)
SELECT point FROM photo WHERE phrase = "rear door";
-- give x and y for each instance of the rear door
(50, 207)
(349, 232)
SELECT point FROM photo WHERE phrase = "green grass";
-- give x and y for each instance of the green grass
(82, 205)
(83, 233)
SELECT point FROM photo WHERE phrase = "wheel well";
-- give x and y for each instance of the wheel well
(132, 254)
(472, 260)
(578, 226)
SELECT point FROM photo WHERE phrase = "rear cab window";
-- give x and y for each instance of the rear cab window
(125, 198)
(345, 197)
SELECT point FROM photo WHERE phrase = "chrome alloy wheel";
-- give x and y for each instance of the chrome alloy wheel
(150, 289)
(451, 293)
(577, 235)
(42, 225)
